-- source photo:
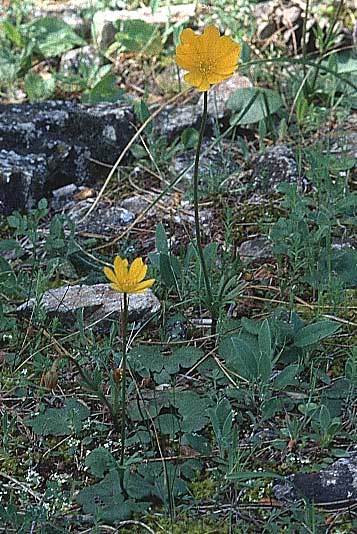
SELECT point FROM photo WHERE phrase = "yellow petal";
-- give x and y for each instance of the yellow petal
(194, 78)
(188, 36)
(139, 288)
(204, 85)
(211, 33)
(137, 270)
(213, 77)
(120, 268)
(110, 274)
(186, 61)
(117, 287)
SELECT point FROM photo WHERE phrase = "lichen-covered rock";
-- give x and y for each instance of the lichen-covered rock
(219, 94)
(64, 137)
(333, 488)
(101, 305)
(22, 180)
(257, 248)
(276, 165)
(105, 220)
(73, 59)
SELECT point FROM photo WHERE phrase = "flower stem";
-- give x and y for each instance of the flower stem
(197, 217)
(124, 324)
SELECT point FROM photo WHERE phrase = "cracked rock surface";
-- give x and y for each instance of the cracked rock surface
(47, 145)
(333, 487)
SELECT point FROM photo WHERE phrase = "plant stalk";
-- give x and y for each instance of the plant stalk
(197, 217)
(124, 325)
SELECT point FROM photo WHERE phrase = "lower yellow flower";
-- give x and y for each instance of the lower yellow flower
(209, 58)
(128, 280)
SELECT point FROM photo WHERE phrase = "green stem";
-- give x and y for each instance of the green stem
(197, 215)
(304, 47)
(124, 325)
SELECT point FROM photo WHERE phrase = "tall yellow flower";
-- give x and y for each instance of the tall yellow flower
(128, 280)
(209, 58)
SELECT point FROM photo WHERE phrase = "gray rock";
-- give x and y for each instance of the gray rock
(215, 163)
(105, 22)
(334, 487)
(104, 220)
(100, 304)
(219, 94)
(276, 165)
(136, 205)
(71, 60)
(258, 248)
(174, 119)
(22, 180)
(66, 136)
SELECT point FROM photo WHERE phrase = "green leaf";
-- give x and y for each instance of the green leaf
(38, 88)
(266, 103)
(167, 423)
(313, 333)
(105, 500)
(53, 37)
(139, 37)
(9, 65)
(184, 357)
(286, 377)
(146, 358)
(161, 239)
(106, 90)
(12, 33)
(240, 357)
(192, 409)
(266, 354)
(100, 461)
(60, 421)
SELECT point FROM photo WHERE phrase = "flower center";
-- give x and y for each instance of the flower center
(205, 67)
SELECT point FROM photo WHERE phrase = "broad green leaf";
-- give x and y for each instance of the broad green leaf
(184, 357)
(52, 36)
(38, 88)
(105, 500)
(60, 421)
(100, 461)
(313, 333)
(105, 90)
(240, 357)
(266, 103)
(139, 37)
(286, 377)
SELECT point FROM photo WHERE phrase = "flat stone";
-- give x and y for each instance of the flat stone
(334, 487)
(276, 165)
(258, 248)
(105, 21)
(100, 304)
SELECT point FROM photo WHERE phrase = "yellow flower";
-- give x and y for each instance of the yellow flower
(128, 280)
(209, 58)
